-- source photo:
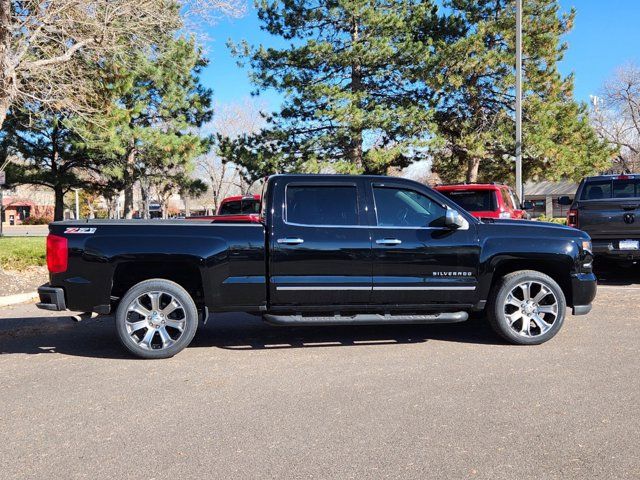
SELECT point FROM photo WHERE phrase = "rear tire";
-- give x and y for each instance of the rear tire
(156, 319)
(526, 308)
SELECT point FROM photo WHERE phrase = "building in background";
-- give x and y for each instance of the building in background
(544, 196)
(24, 202)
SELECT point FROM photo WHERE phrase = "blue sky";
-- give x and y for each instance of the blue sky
(606, 35)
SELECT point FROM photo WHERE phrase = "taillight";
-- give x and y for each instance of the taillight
(572, 218)
(57, 253)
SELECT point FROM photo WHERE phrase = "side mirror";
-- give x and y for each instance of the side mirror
(564, 200)
(527, 205)
(454, 220)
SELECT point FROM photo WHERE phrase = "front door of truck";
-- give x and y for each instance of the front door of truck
(416, 259)
(320, 251)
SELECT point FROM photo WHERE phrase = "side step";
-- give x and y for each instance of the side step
(366, 319)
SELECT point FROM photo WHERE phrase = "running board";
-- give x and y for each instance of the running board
(365, 319)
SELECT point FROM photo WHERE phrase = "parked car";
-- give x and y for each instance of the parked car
(485, 200)
(607, 207)
(332, 250)
(236, 209)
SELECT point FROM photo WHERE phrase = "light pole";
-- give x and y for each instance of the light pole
(77, 204)
(519, 187)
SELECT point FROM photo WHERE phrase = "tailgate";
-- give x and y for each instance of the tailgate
(610, 219)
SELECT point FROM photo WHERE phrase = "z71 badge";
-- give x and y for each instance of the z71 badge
(80, 230)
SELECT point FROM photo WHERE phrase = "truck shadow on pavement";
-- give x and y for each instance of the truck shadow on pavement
(617, 275)
(97, 337)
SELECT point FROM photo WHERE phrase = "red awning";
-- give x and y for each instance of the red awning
(16, 202)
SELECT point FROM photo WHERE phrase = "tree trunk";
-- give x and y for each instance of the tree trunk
(355, 147)
(58, 212)
(7, 79)
(187, 209)
(144, 194)
(129, 180)
(473, 165)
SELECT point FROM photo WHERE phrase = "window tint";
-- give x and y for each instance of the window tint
(626, 188)
(396, 207)
(596, 190)
(474, 200)
(319, 205)
(237, 207)
(230, 208)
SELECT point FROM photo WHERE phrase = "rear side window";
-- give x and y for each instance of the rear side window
(322, 205)
(474, 200)
(507, 199)
(614, 188)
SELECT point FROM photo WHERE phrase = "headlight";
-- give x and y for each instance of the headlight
(586, 246)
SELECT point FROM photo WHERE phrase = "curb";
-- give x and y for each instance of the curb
(9, 300)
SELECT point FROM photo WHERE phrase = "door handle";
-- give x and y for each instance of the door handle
(290, 241)
(388, 241)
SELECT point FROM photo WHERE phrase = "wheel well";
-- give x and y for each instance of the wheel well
(559, 271)
(186, 275)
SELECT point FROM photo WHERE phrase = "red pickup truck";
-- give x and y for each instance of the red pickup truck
(236, 209)
(485, 200)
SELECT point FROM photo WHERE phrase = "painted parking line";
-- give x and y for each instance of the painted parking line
(618, 287)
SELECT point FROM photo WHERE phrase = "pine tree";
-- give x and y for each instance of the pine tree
(473, 73)
(150, 128)
(49, 150)
(349, 75)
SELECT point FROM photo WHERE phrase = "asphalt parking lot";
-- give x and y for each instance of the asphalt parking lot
(247, 400)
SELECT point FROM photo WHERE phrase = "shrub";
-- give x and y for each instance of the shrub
(37, 220)
(544, 218)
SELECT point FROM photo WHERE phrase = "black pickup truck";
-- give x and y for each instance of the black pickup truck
(331, 250)
(607, 207)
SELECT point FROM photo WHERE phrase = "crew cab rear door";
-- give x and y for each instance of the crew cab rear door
(320, 250)
(416, 259)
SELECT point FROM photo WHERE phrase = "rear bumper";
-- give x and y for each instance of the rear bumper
(51, 298)
(583, 288)
(609, 248)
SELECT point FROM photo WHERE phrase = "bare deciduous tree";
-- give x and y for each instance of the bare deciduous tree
(231, 120)
(616, 116)
(45, 44)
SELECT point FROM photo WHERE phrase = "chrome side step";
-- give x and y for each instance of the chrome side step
(366, 319)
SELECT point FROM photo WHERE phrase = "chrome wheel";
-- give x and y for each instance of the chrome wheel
(531, 308)
(155, 320)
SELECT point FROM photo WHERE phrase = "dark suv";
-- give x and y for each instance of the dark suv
(607, 208)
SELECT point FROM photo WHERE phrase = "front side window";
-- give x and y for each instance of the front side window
(398, 207)
(322, 205)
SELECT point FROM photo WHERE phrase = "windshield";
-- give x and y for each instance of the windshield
(473, 200)
(611, 188)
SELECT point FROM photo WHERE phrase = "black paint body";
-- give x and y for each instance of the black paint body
(243, 267)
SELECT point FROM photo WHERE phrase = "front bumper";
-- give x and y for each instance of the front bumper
(51, 298)
(583, 288)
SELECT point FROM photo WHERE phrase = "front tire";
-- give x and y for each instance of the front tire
(527, 308)
(156, 319)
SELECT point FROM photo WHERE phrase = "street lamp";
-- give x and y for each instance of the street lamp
(519, 187)
(77, 204)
